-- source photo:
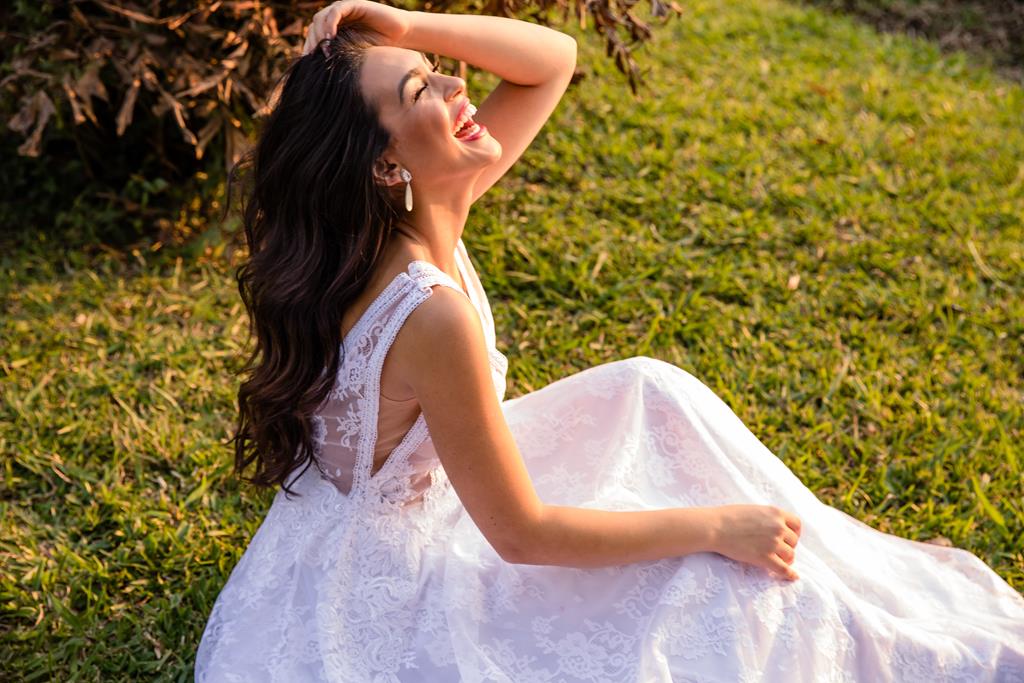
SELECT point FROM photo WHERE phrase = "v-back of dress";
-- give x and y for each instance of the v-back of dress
(346, 443)
(384, 578)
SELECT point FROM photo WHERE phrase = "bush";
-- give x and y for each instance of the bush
(123, 108)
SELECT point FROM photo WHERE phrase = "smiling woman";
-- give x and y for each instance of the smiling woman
(423, 115)
(620, 525)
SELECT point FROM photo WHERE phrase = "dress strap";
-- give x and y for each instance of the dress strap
(426, 274)
(423, 275)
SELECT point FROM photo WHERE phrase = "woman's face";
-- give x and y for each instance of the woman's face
(419, 107)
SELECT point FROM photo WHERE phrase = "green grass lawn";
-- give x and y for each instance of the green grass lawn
(822, 223)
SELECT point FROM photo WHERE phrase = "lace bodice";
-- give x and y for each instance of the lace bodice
(346, 424)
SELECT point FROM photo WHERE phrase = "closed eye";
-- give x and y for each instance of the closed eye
(416, 97)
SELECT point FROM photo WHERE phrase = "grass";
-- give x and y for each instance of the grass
(822, 223)
(989, 29)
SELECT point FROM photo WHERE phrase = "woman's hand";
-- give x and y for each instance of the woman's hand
(762, 535)
(386, 25)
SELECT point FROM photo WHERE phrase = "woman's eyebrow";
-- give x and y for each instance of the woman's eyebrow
(410, 72)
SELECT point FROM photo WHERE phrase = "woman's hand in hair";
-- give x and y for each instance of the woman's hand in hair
(384, 25)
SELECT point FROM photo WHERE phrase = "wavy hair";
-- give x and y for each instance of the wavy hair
(315, 223)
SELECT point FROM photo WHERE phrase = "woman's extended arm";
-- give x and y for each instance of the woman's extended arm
(516, 51)
(535, 64)
(441, 352)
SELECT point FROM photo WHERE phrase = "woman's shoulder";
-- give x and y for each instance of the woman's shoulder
(445, 318)
(443, 332)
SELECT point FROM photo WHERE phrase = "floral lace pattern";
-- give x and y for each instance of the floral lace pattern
(384, 578)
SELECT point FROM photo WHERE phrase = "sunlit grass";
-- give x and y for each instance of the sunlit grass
(821, 223)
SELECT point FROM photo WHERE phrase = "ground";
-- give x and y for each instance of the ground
(822, 223)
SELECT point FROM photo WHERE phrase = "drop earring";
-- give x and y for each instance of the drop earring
(407, 177)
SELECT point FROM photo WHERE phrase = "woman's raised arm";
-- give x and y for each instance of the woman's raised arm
(535, 64)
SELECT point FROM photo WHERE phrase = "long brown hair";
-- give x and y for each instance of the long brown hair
(315, 224)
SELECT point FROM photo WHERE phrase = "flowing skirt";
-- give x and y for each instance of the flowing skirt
(420, 595)
(644, 434)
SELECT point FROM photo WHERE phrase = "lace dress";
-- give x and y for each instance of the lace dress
(383, 577)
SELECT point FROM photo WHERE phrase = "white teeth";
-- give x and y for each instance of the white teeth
(467, 114)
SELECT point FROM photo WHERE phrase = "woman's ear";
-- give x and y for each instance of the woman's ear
(387, 173)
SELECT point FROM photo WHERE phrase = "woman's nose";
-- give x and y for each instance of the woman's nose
(457, 87)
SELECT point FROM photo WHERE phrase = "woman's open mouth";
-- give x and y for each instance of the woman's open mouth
(466, 128)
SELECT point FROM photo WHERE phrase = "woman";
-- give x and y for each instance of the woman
(621, 524)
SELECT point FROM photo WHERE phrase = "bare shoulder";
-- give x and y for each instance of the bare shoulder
(445, 312)
(442, 335)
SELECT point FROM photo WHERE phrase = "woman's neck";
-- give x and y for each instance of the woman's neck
(407, 244)
(431, 232)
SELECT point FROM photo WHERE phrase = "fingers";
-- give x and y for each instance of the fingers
(782, 568)
(313, 34)
(307, 46)
(322, 26)
(331, 20)
(791, 529)
(787, 553)
(793, 522)
(320, 22)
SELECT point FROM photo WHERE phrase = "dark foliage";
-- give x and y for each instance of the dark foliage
(116, 106)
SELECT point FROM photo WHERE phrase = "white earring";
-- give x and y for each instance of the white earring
(407, 177)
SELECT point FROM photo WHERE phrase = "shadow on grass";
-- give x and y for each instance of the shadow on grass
(990, 29)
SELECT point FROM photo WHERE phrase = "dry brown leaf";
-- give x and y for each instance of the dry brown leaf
(134, 15)
(35, 112)
(940, 540)
(204, 85)
(236, 144)
(224, 91)
(124, 114)
(179, 115)
(79, 18)
(155, 39)
(243, 64)
(21, 68)
(143, 71)
(88, 86)
(175, 22)
(22, 121)
(100, 48)
(212, 127)
(254, 102)
(76, 109)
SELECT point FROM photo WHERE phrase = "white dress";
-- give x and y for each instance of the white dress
(385, 578)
